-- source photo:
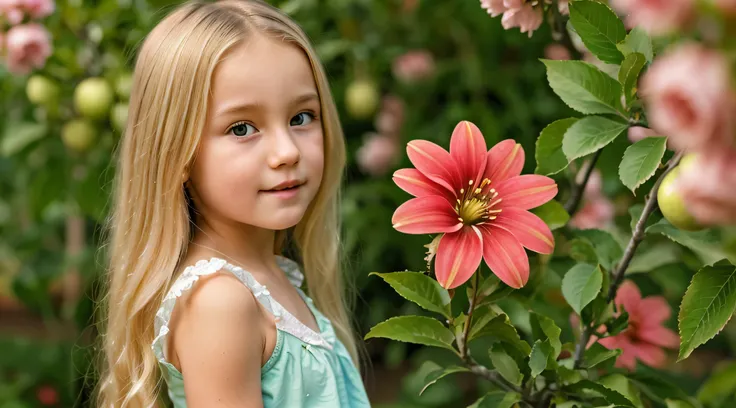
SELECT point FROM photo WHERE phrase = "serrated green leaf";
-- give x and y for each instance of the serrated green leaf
(641, 161)
(505, 365)
(707, 306)
(599, 28)
(553, 214)
(499, 329)
(706, 243)
(656, 385)
(497, 399)
(720, 384)
(458, 324)
(545, 328)
(414, 329)
(435, 376)
(597, 354)
(584, 87)
(589, 135)
(637, 41)
(19, 135)
(540, 355)
(582, 251)
(628, 75)
(623, 386)
(606, 247)
(549, 155)
(481, 317)
(581, 285)
(613, 397)
(420, 289)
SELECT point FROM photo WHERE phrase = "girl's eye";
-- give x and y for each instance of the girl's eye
(302, 119)
(242, 129)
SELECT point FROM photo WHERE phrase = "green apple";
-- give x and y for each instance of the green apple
(79, 134)
(119, 116)
(93, 98)
(672, 205)
(123, 85)
(42, 90)
(361, 99)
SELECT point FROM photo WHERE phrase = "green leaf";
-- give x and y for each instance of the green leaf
(553, 214)
(540, 355)
(414, 329)
(706, 243)
(599, 28)
(622, 385)
(435, 376)
(707, 306)
(549, 155)
(499, 329)
(647, 259)
(589, 135)
(628, 75)
(545, 328)
(19, 135)
(584, 87)
(582, 251)
(597, 354)
(481, 317)
(619, 324)
(637, 41)
(641, 160)
(656, 384)
(497, 399)
(420, 289)
(671, 403)
(606, 247)
(613, 397)
(581, 285)
(635, 212)
(505, 365)
(721, 384)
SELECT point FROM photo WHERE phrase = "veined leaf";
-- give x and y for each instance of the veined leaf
(414, 329)
(641, 161)
(599, 28)
(549, 155)
(589, 135)
(584, 87)
(420, 289)
(581, 285)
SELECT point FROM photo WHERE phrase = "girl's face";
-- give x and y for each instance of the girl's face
(261, 156)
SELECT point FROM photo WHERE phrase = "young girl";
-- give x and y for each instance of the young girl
(232, 158)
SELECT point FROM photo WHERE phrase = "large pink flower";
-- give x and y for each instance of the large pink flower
(646, 336)
(478, 200)
(656, 16)
(28, 47)
(707, 186)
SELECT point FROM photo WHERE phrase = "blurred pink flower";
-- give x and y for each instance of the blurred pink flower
(646, 335)
(38, 8)
(637, 133)
(523, 15)
(378, 154)
(656, 16)
(707, 186)
(12, 10)
(47, 395)
(556, 51)
(413, 66)
(597, 210)
(690, 98)
(564, 7)
(727, 6)
(494, 7)
(391, 116)
(28, 47)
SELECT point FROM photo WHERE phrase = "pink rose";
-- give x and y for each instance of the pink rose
(28, 47)
(556, 51)
(413, 66)
(707, 187)
(637, 133)
(690, 98)
(12, 10)
(494, 7)
(378, 154)
(656, 16)
(522, 15)
(391, 116)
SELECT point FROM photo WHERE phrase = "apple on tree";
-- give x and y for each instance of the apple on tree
(93, 98)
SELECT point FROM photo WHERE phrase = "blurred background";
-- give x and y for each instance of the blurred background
(399, 70)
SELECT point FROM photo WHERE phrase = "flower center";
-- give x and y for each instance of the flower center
(475, 205)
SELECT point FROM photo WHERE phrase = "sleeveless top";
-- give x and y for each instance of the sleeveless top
(307, 368)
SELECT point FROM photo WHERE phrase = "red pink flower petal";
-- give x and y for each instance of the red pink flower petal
(458, 257)
(505, 256)
(629, 297)
(649, 354)
(505, 160)
(435, 163)
(656, 310)
(426, 215)
(468, 148)
(526, 192)
(529, 229)
(417, 184)
(659, 336)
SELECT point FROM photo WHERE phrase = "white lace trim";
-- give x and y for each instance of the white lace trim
(285, 321)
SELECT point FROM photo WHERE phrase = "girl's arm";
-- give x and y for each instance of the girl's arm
(219, 345)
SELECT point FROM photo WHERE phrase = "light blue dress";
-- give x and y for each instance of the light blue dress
(307, 369)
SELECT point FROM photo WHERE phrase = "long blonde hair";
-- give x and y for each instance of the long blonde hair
(149, 225)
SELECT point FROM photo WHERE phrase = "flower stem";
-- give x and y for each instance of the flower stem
(572, 204)
(471, 307)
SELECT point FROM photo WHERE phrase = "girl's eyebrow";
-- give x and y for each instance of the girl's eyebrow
(242, 107)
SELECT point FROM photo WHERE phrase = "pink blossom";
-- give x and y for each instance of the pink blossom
(564, 7)
(494, 7)
(637, 133)
(707, 186)
(726, 6)
(413, 66)
(523, 15)
(378, 154)
(556, 51)
(656, 16)
(28, 47)
(12, 10)
(646, 335)
(38, 8)
(690, 98)
(391, 116)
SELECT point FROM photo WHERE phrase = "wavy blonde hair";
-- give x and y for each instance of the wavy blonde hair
(150, 225)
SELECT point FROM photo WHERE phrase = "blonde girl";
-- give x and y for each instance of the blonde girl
(232, 160)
